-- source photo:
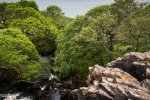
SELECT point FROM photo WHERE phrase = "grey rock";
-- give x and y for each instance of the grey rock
(135, 63)
(111, 84)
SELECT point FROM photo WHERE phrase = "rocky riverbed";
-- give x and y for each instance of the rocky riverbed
(126, 78)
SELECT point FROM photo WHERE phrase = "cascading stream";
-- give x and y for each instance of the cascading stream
(53, 93)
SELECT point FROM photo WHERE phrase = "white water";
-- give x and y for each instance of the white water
(52, 76)
(14, 97)
(26, 98)
(53, 95)
(43, 87)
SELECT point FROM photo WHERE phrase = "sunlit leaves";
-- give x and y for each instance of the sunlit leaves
(16, 53)
(41, 32)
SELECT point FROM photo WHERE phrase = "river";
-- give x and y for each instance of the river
(52, 94)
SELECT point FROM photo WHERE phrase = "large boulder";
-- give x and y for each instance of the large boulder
(111, 84)
(25, 86)
(135, 63)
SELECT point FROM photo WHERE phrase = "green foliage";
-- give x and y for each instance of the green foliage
(41, 32)
(54, 12)
(86, 42)
(22, 59)
(6, 12)
(46, 68)
(106, 28)
(18, 56)
(21, 13)
(103, 34)
(11, 11)
(25, 3)
(138, 34)
(99, 10)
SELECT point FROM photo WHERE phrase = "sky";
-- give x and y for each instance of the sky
(72, 8)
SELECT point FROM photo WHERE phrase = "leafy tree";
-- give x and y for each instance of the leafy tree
(6, 13)
(138, 34)
(18, 56)
(85, 42)
(146, 10)
(99, 10)
(22, 13)
(125, 9)
(132, 16)
(54, 12)
(25, 3)
(11, 11)
(67, 49)
(106, 28)
(104, 33)
(41, 32)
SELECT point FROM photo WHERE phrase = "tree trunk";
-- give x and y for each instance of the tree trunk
(137, 43)
(101, 61)
(111, 48)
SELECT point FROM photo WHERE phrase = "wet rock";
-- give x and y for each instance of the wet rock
(57, 85)
(22, 85)
(40, 80)
(42, 95)
(4, 87)
(53, 95)
(83, 94)
(146, 83)
(66, 95)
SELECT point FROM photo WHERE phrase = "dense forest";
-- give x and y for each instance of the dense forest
(98, 37)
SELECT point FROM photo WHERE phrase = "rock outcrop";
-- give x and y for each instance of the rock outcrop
(111, 84)
(25, 86)
(135, 63)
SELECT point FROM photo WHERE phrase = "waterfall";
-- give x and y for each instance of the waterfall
(53, 92)
(51, 77)
(53, 95)
(43, 88)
